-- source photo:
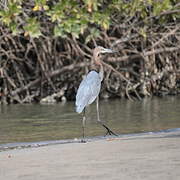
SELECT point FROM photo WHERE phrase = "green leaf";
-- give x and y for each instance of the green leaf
(33, 28)
(9, 14)
(143, 32)
(14, 28)
(58, 31)
(94, 33)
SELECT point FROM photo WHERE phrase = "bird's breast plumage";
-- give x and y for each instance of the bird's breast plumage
(88, 90)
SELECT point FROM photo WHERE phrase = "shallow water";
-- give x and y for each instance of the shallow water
(32, 123)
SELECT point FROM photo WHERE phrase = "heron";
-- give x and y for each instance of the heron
(89, 88)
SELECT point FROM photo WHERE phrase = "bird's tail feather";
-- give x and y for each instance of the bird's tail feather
(79, 109)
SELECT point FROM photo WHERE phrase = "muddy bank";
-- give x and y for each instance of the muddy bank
(139, 157)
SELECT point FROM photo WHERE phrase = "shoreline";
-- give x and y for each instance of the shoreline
(149, 156)
(22, 145)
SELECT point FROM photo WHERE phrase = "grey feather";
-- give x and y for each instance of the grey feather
(88, 90)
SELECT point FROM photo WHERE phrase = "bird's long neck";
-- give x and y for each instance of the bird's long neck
(97, 66)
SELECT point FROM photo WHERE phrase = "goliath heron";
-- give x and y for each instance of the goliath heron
(90, 87)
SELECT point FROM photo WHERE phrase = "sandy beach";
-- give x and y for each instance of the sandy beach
(149, 157)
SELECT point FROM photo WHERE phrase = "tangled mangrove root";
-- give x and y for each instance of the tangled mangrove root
(33, 69)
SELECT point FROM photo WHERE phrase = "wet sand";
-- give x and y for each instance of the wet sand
(147, 157)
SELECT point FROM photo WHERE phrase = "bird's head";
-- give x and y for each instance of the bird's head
(101, 50)
(96, 63)
(98, 51)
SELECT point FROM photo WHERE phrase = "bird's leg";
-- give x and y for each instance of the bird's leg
(109, 131)
(83, 124)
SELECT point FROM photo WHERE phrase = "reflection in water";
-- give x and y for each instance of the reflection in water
(20, 123)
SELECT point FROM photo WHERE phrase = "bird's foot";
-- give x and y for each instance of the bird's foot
(83, 141)
(109, 131)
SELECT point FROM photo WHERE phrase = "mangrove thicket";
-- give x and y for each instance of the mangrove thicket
(46, 48)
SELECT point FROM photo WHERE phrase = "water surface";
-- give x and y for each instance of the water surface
(30, 123)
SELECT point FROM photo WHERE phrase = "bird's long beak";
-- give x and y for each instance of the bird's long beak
(105, 50)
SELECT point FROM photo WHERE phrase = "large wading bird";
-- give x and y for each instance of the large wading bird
(90, 86)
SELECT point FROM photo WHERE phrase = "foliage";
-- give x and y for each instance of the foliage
(75, 17)
(32, 28)
(46, 44)
(10, 14)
